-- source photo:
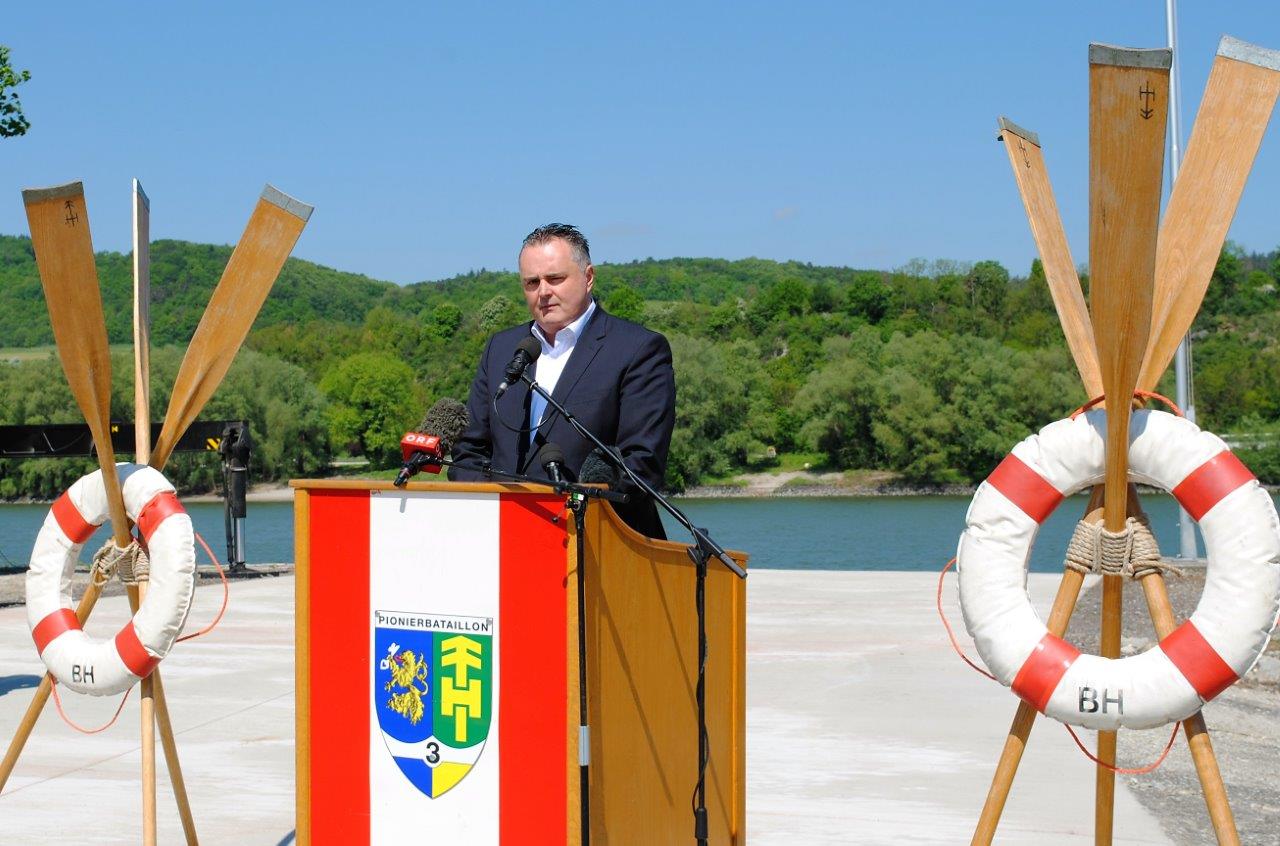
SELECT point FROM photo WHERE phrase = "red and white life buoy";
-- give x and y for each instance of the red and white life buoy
(1221, 641)
(76, 660)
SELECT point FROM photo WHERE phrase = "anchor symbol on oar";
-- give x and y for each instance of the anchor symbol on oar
(1146, 94)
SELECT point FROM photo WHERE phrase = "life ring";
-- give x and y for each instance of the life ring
(104, 667)
(1222, 640)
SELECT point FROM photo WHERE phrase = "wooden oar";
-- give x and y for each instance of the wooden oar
(1215, 792)
(64, 256)
(142, 448)
(1234, 113)
(1237, 105)
(1064, 605)
(268, 239)
(63, 246)
(1128, 108)
(1025, 155)
(1029, 170)
(273, 229)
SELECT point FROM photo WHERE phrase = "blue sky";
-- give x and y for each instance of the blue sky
(432, 137)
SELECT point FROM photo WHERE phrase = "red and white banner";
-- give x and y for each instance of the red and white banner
(438, 701)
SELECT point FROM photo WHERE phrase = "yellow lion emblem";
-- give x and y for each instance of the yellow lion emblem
(407, 668)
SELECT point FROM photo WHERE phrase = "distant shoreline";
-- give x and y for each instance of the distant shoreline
(820, 490)
(284, 493)
(807, 489)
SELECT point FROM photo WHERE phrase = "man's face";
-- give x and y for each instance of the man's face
(556, 289)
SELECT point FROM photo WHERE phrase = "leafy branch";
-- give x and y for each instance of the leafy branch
(12, 121)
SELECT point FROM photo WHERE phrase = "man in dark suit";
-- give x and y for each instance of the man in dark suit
(613, 375)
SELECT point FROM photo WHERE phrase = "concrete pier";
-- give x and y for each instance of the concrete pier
(862, 727)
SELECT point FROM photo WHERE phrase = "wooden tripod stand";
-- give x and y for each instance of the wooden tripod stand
(1146, 292)
(63, 246)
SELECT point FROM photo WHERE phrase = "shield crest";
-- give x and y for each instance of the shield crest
(433, 683)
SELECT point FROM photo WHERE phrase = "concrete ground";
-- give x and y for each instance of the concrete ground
(863, 727)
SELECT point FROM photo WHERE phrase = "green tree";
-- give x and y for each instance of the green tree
(389, 330)
(787, 298)
(1227, 275)
(987, 285)
(838, 402)
(709, 398)
(867, 296)
(12, 121)
(497, 313)
(373, 402)
(1255, 293)
(443, 320)
(625, 302)
(822, 297)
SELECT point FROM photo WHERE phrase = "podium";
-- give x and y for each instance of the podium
(438, 674)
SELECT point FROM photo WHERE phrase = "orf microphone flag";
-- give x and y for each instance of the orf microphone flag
(423, 449)
(420, 443)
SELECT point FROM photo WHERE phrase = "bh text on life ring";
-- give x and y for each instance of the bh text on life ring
(103, 667)
(1221, 641)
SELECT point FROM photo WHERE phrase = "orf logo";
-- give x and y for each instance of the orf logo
(433, 684)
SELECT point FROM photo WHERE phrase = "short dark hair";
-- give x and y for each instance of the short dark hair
(565, 232)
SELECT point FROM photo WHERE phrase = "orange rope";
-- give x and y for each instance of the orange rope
(943, 614)
(226, 594)
(1142, 395)
(1122, 770)
(57, 701)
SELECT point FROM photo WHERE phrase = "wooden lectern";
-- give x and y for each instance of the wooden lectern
(437, 672)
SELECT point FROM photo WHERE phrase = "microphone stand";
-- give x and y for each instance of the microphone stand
(700, 552)
(561, 488)
(700, 536)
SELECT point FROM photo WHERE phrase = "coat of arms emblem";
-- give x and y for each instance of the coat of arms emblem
(433, 683)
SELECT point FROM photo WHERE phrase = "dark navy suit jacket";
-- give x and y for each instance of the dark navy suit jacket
(620, 385)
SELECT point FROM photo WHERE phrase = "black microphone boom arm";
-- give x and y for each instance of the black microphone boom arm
(558, 487)
(701, 538)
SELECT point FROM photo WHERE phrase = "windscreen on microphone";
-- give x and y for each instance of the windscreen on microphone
(526, 353)
(551, 459)
(424, 449)
(598, 468)
(531, 347)
(447, 419)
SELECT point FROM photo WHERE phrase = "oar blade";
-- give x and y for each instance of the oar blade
(1032, 176)
(269, 237)
(63, 246)
(1128, 108)
(1234, 113)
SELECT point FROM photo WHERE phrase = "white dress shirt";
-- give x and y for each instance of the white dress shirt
(549, 366)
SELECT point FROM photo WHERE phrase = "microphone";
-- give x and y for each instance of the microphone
(552, 459)
(597, 468)
(425, 447)
(527, 352)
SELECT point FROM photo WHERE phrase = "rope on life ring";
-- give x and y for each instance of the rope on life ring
(165, 558)
(1209, 652)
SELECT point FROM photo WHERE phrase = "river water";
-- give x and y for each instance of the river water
(799, 533)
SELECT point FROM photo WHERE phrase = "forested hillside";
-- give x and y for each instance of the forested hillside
(932, 371)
